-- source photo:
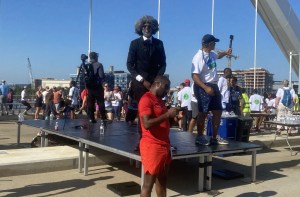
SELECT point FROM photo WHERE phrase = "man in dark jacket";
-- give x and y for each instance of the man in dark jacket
(94, 79)
(146, 57)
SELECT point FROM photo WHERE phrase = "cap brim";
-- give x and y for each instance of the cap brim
(217, 40)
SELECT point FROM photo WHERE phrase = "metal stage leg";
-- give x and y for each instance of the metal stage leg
(287, 140)
(46, 139)
(80, 158)
(137, 164)
(86, 159)
(42, 138)
(142, 176)
(201, 174)
(19, 132)
(208, 172)
(253, 175)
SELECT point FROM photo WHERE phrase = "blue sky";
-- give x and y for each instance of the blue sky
(54, 33)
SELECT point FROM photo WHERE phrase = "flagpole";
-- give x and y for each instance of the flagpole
(212, 16)
(90, 27)
(255, 32)
(158, 18)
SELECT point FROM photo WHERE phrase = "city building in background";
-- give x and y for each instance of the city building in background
(51, 82)
(264, 79)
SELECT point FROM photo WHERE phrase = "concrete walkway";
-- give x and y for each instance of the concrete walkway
(277, 170)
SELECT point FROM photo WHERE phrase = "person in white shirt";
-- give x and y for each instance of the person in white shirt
(116, 103)
(24, 100)
(256, 102)
(184, 98)
(195, 111)
(223, 87)
(205, 76)
(74, 96)
(284, 107)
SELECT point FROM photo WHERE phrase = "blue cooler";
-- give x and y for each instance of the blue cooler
(227, 129)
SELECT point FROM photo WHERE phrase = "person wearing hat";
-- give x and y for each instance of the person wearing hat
(93, 82)
(205, 76)
(24, 100)
(184, 98)
(4, 89)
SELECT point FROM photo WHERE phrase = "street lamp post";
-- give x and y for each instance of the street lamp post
(290, 73)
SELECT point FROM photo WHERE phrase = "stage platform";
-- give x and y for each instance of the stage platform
(121, 138)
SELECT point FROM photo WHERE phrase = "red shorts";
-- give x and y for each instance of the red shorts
(155, 157)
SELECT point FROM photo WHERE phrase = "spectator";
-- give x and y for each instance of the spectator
(108, 97)
(235, 94)
(4, 89)
(244, 102)
(50, 107)
(116, 103)
(195, 111)
(24, 100)
(73, 97)
(38, 102)
(10, 98)
(223, 84)
(285, 99)
(256, 103)
(57, 97)
(184, 99)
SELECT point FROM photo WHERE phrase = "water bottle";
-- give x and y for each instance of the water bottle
(56, 126)
(21, 117)
(51, 116)
(101, 129)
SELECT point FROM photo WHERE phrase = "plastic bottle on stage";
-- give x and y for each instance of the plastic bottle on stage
(51, 116)
(21, 117)
(56, 126)
(101, 129)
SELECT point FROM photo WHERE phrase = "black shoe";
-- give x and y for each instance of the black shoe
(93, 121)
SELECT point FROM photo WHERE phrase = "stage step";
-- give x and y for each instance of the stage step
(38, 160)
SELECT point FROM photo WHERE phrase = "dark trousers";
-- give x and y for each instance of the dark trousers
(28, 106)
(187, 116)
(50, 108)
(95, 94)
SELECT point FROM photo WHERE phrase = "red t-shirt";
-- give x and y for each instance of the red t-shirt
(57, 96)
(154, 106)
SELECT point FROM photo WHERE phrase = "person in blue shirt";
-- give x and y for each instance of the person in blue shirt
(4, 89)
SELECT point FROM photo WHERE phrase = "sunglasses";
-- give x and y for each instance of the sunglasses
(145, 26)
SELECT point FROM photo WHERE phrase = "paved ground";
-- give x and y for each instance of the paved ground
(277, 172)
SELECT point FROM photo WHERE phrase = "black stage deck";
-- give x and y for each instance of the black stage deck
(121, 135)
(121, 138)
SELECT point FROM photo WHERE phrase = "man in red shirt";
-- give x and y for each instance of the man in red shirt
(155, 142)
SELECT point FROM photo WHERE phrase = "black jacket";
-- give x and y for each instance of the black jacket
(144, 63)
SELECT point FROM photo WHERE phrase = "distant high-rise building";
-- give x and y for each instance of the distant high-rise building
(264, 79)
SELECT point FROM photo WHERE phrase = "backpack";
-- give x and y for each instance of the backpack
(90, 78)
(287, 98)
